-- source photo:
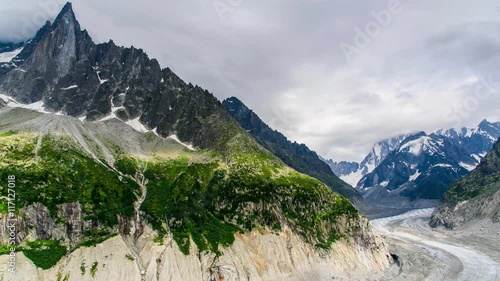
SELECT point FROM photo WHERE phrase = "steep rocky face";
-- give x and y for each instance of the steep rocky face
(476, 196)
(35, 221)
(297, 156)
(424, 166)
(70, 74)
(256, 256)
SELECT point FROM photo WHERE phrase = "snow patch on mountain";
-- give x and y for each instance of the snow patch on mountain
(353, 178)
(36, 106)
(9, 56)
(137, 125)
(469, 167)
(189, 146)
(70, 87)
(425, 143)
(415, 176)
(175, 138)
(377, 155)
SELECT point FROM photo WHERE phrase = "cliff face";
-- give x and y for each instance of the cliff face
(257, 256)
(476, 196)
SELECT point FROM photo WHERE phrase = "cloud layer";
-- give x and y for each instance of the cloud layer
(412, 65)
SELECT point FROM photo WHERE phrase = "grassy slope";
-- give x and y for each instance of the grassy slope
(241, 188)
(484, 180)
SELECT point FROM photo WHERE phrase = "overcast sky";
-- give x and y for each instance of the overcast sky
(335, 75)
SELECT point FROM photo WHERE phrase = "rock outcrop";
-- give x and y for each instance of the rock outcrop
(475, 197)
(69, 74)
(258, 256)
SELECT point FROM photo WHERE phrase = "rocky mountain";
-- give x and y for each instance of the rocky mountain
(352, 172)
(342, 168)
(297, 156)
(63, 71)
(424, 166)
(474, 197)
(116, 162)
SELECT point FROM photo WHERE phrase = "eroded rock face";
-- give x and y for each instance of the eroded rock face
(72, 212)
(259, 255)
(451, 216)
(35, 222)
(475, 197)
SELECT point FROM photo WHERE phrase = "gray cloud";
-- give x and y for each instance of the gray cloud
(283, 58)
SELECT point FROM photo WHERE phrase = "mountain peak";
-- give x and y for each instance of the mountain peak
(485, 124)
(234, 104)
(68, 7)
(66, 13)
(485, 121)
(233, 100)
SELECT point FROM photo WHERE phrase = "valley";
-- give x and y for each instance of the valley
(423, 253)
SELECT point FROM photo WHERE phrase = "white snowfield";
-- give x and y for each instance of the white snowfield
(412, 227)
(9, 56)
(36, 106)
(424, 143)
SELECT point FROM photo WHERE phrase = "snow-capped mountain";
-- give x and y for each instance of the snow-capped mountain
(352, 172)
(62, 71)
(11, 55)
(425, 165)
(343, 167)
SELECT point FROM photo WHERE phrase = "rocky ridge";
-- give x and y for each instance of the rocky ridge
(473, 198)
(297, 156)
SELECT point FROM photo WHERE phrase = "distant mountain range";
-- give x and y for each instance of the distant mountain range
(420, 166)
(352, 172)
(297, 156)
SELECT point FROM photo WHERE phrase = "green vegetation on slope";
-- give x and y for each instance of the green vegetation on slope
(45, 254)
(209, 203)
(484, 180)
(6, 134)
(297, 156)
(204, 202)
(62, 174)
